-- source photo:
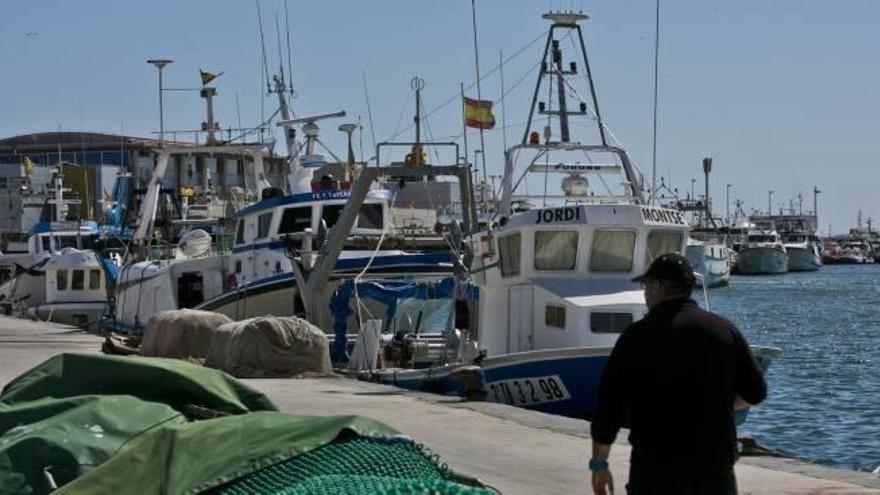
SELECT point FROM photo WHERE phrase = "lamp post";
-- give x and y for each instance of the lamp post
(693, 181)
(727, 198)
(769, 202)
(160, 64)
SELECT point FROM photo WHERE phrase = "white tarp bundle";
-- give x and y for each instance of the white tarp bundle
(270, 347)
(181, 333)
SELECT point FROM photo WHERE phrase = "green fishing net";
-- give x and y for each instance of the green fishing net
(355, 466)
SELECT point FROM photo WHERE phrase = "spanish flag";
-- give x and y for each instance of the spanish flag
(478, 113)
(208, 76)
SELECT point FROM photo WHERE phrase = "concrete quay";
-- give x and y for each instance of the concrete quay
(513, 450)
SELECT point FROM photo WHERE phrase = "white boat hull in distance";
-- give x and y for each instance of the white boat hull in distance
(715, 271)
(762, 261)
(803, 260)
(82, 314)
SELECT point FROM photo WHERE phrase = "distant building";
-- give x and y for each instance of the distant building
(91, 163)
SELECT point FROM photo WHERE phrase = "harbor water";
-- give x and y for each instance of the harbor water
(823, 404)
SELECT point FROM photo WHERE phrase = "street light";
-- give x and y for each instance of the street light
(769, 202)
(160, 64)
(727, 197)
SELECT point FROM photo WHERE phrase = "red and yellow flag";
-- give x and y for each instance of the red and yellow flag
(478, 113)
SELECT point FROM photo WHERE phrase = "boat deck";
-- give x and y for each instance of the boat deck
(513, 450)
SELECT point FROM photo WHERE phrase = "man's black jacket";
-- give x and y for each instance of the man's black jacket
(674, 375)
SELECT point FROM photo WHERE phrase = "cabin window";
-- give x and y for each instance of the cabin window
(612, 250)
(65, 241)
(78, 280)
(509, 252)
(330, 214)
(661, 242)
(61, 279)
(295, 219)
(370, 217)
(87, 242)
(263, 223)
(239, 232)
(46, 243)
(556, 250)
(94, 279)
(606, 322)
(554, 316)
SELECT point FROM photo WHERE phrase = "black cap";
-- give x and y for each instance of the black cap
(672, 267)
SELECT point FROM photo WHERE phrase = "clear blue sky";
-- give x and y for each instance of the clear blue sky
(783, 94)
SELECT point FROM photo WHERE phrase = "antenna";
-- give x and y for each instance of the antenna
(263, 45)
(280, 51)
(289, 62)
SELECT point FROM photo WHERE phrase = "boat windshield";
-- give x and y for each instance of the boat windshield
(796, 238)
(762, 238)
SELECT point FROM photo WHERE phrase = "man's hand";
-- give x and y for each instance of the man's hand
(601, 480)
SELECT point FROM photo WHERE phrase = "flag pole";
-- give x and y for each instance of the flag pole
(464, 124)
(479, 93)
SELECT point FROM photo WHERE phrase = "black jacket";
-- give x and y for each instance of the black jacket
(674, 375)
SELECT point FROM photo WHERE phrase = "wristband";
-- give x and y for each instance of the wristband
(598, 465)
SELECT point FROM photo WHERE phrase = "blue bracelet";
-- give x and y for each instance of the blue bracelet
(598, 465)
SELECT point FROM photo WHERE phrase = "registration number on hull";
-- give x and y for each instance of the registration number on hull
(528, 391)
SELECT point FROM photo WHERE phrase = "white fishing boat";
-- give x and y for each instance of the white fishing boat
(271, 242)
(555, 288)
(763, 252)
(58, 251)
(711, 259)
(804, 254)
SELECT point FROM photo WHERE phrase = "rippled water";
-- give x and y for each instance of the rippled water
(824, 401)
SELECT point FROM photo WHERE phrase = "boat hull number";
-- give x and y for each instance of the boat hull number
(553, 215)
(528, 391)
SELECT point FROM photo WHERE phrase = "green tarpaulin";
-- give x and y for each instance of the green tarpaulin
(92, 424)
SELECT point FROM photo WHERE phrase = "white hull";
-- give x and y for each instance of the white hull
(762, 261)
(85, 314)
(715, 270)
(803, 260)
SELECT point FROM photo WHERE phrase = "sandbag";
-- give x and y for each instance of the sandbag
(270, 347)
(181, 333)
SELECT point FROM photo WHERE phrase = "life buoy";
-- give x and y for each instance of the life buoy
(231, 281)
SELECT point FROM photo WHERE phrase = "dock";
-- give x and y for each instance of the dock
(513, 450)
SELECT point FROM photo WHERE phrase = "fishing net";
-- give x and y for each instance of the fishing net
(356, 466)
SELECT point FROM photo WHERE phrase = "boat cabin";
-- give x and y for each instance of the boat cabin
(561, 277)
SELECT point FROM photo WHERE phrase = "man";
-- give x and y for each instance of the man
(675, 378)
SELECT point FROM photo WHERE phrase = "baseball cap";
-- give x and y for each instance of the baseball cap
(672, 267)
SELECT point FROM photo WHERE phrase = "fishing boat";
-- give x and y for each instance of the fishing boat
(555, 288)
(803, 252)
(710, 259)
(763, 252)
(61, 278)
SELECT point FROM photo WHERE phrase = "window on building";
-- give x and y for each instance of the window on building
(239, 232)
(509, 252)
(612, 250)
(606, 322)
(556, 250)
(263, 223)
(94, 279)
(330, 214)
(61, 279)
(661, 242)
(370, 217)
(295, 219)
(78, 280)
(554, 316)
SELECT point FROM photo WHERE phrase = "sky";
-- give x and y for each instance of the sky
(783, 95)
